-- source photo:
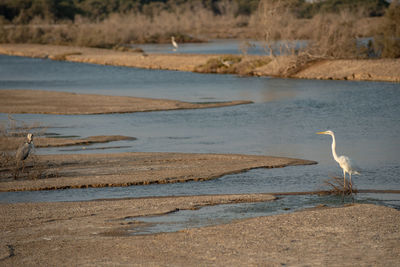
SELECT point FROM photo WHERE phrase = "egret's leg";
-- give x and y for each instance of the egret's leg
(344, 185)
(344, 180)
(350, 184)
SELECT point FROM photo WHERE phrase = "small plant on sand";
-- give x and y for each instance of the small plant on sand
(336, 187)
(233, 65)
(225, 64)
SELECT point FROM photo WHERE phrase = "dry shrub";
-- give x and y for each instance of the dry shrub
(328, 35)
(278, 27)
(334, 36)
(337, 187)
(233, 65)
(387, 40)
(223, 64)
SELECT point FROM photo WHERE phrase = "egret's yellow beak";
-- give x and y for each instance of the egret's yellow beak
(321, 133)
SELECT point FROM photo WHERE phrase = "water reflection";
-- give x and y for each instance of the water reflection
(223, 214)
(224, 46)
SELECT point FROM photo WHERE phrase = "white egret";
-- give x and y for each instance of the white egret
(174, 44)
(24, 150)
(344, 162)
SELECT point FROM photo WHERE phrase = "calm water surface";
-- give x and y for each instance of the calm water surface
(282, 122)
(220, 46)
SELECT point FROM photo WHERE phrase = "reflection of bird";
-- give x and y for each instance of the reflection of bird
(174, 44)
(344, 162)
(24, 150)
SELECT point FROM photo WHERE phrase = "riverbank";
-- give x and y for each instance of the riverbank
(97, 233)
(369, 69)
(62, 103)
(139, 168)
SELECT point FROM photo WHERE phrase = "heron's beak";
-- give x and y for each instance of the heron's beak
(321, 133)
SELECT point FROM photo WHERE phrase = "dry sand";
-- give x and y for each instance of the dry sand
(371, 70)
(368, 70)
(48, 102)
(95, 233)
(125, 169)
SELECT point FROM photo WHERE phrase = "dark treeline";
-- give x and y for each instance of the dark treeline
(23, 11)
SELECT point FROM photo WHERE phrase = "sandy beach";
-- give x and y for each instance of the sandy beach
(368, 69)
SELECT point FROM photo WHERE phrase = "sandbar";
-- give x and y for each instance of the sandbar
(329, 69)
(48, 102)
(136, 168)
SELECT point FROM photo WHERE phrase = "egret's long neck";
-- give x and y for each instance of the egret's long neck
(335, 156)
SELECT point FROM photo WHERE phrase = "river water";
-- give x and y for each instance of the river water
(223, 46)
(283, 121)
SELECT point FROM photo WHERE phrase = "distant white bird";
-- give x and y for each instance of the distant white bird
(174, 44)
(24, 150)
(344, 162)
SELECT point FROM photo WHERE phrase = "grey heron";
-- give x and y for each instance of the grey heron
(24, 150)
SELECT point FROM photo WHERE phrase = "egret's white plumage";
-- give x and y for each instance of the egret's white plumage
(174, 44)
(24, 150)
(344, 162)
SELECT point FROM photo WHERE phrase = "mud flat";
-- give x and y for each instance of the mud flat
(125, 169)
(96, 233)
(370, 70)
(47, 102)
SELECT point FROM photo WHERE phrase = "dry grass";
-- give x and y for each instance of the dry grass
(185, 22)
(337, 187)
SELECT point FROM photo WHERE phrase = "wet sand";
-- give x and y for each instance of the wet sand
(370, 70)
(95, 233)
(48, 102)
(139, 168)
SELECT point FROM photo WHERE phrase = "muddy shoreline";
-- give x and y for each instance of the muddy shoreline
(368, 69)
(97, 233)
